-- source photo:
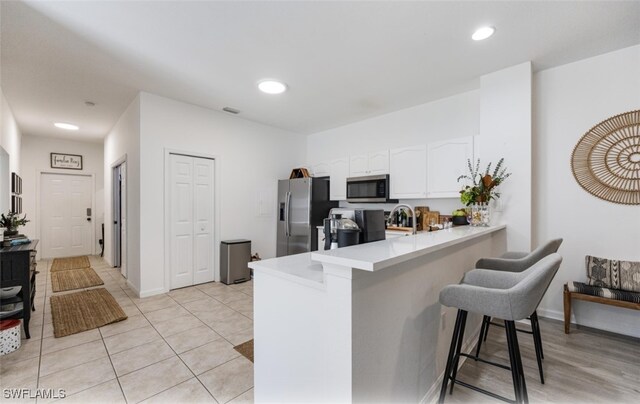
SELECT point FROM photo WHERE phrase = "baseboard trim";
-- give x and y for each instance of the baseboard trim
(554, 314)
(434, 392)
(130, 285)
(149, 293)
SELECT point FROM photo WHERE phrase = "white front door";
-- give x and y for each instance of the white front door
(65, 212)
(191, 220)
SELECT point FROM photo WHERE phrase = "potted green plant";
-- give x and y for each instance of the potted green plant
(10, 222)
(481, 189)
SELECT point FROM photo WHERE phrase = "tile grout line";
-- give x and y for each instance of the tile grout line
(102, 338)
(46, 279)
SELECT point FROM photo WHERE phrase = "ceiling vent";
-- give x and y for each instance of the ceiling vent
(231, 110)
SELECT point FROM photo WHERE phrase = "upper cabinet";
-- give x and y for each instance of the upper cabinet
(446, 161)
(408, 172)
(321, 169)
(339, 171)
(375, 163)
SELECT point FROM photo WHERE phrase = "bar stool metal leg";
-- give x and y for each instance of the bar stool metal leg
(483, 330)
(534, 317)
(537, 342)
(452, 348)
(456, 358)
(517, 371)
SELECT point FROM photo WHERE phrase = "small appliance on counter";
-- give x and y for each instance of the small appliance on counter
(340, 232)
(371, 223)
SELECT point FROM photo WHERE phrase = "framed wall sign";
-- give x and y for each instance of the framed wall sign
(66, 161)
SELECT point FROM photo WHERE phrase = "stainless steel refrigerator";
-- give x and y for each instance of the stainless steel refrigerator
(303, 203)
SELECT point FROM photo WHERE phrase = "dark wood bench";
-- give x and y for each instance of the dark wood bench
(610, 301)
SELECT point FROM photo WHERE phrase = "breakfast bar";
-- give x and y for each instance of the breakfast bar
(362, 323)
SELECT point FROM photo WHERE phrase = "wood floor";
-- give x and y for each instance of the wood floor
(586, 366)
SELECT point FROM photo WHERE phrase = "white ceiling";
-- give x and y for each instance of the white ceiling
(343, 61)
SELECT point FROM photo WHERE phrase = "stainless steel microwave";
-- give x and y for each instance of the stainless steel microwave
(369, 189)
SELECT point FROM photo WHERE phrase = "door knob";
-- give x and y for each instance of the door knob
(88, 219)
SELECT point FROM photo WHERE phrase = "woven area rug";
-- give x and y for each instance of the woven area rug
(246, 349)
(81, 311)
(63, 264)
(75, 279)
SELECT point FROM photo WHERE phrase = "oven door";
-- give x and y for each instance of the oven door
(374, 188)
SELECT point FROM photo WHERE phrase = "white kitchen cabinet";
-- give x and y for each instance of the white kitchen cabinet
(322, 169)
(375, 163)
(446, 161)
(358, 165)
(339, 171)
(408, 172)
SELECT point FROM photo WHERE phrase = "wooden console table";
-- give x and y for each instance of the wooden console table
(18, 268)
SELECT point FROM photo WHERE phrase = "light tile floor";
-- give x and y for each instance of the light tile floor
(174, 347)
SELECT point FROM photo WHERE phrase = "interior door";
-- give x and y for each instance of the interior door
(123, 219)
(192, 254)
(182, 222)
(65, 211)
(299, 216)
(204, 251)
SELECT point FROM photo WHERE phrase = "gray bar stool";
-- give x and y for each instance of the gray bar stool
(505, 295)
(518, 262)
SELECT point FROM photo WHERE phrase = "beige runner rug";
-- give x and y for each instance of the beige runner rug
(63, 264)
(75, 279)
(246, 349)
(81, 311)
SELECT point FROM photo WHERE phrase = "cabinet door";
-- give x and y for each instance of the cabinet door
(339, 169)
(408, 172)
(379, 162)
(321, 169)
(446, 161)
(358, 165)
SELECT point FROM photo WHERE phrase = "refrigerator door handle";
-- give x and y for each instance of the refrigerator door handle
(287, 207)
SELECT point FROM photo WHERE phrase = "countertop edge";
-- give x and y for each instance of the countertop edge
(375, 266)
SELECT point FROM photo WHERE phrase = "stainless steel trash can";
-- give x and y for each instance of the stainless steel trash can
(234, 259)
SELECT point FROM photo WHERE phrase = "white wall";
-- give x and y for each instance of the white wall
(505, 131)
(451, 117)
(124, 140)
(10, 138)
(35, 158)
(250, 158)
(569, 100)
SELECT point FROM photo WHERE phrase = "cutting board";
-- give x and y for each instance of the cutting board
(399, 229)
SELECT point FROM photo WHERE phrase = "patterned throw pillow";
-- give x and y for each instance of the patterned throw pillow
(613, 274)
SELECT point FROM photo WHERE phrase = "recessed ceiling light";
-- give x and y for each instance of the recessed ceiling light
(270, 86)
(66, 126)
(483, 33)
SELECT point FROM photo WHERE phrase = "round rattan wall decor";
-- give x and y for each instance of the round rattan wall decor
(606, 160)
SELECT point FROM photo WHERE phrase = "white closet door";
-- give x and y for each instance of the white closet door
(203, 220)
(182, 222)
(192, 220)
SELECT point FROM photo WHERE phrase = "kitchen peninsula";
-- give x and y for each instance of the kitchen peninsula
(362, 323)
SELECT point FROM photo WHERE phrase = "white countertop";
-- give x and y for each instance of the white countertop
(382, 254)
(307, 267)
(297, 267)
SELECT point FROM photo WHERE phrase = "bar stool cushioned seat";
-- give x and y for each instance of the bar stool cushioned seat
(506, 295)
(517, 262)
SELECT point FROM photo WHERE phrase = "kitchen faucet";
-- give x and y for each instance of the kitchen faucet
(413, 214)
